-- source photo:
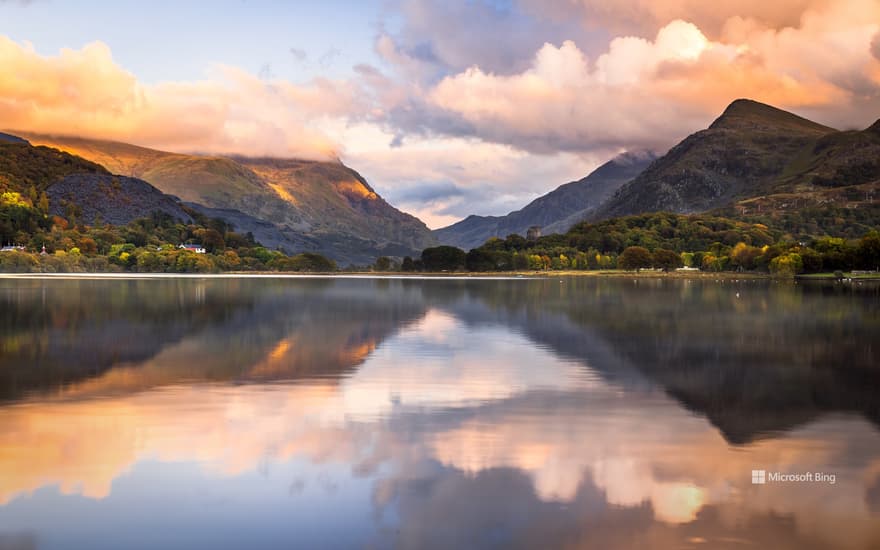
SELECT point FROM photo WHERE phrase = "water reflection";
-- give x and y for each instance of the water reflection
(578, 413)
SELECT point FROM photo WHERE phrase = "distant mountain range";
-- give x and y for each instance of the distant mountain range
(554, 212)
(753, 160)
(292, 205)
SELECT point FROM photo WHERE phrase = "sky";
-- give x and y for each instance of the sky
(447, 108)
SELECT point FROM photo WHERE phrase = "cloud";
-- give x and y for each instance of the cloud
(499, 101)
(649, 93)
(299, 54)
(441, 37)
(565, 91)
(443, 179)
(328, 57)
(427, 192)
(645, 17)
(875, 45)
(84, 92)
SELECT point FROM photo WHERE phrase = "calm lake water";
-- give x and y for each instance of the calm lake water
(406, 413)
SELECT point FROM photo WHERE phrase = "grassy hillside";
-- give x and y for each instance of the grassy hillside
(323, 203)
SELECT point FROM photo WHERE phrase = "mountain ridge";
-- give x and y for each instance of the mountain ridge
(744, 153)
(554, 211)
(316, 206)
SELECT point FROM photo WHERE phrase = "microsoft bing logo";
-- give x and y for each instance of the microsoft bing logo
(759, 477)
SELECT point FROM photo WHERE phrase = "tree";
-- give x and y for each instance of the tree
(515, 242)
(383, 263)
(634, 258)
(744, 256)
(786, 265)
(666, 259)
(868, 251)
(520, 261)
(479, 260)
(812, 260)
(407, 265)
(309, 261)
(211, 239)
(443, 258)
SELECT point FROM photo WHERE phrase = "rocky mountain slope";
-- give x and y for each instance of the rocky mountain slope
(556, 211)
(315, 206)
(751, 150)
(117, 200)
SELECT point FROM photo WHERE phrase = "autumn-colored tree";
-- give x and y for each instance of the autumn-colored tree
(743, 256)
(634, 258)
(666, 259)
(786, 265)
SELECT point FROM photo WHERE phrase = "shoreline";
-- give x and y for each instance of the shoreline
(494, 275)
(484, 275)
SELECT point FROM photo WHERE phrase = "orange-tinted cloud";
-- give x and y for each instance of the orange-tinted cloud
(648, 93)
(84, 92)
(645, 17)
(457, 113)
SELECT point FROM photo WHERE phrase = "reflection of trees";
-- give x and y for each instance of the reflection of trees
(766, 360)
(773, 357)
(143, 333)
(54, 332)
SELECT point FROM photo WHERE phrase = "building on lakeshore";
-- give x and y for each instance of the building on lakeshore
(197, 248)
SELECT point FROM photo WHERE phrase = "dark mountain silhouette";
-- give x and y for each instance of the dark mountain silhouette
(554, 212)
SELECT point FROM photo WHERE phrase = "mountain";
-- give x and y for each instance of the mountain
(76, 187)
(751, 150)
(313, 206)
(117, 200)
(554, 212)
(23, 167)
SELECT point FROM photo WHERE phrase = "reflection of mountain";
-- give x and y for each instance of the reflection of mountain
(480, 420)
(754, 359)
(153, 332)
(755, 364)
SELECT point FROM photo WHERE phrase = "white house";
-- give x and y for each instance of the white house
(197, 248)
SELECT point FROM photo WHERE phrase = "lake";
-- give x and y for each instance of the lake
(449, 413)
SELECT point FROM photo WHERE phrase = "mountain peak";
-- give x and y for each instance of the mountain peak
(628, 158)
(747, 113)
